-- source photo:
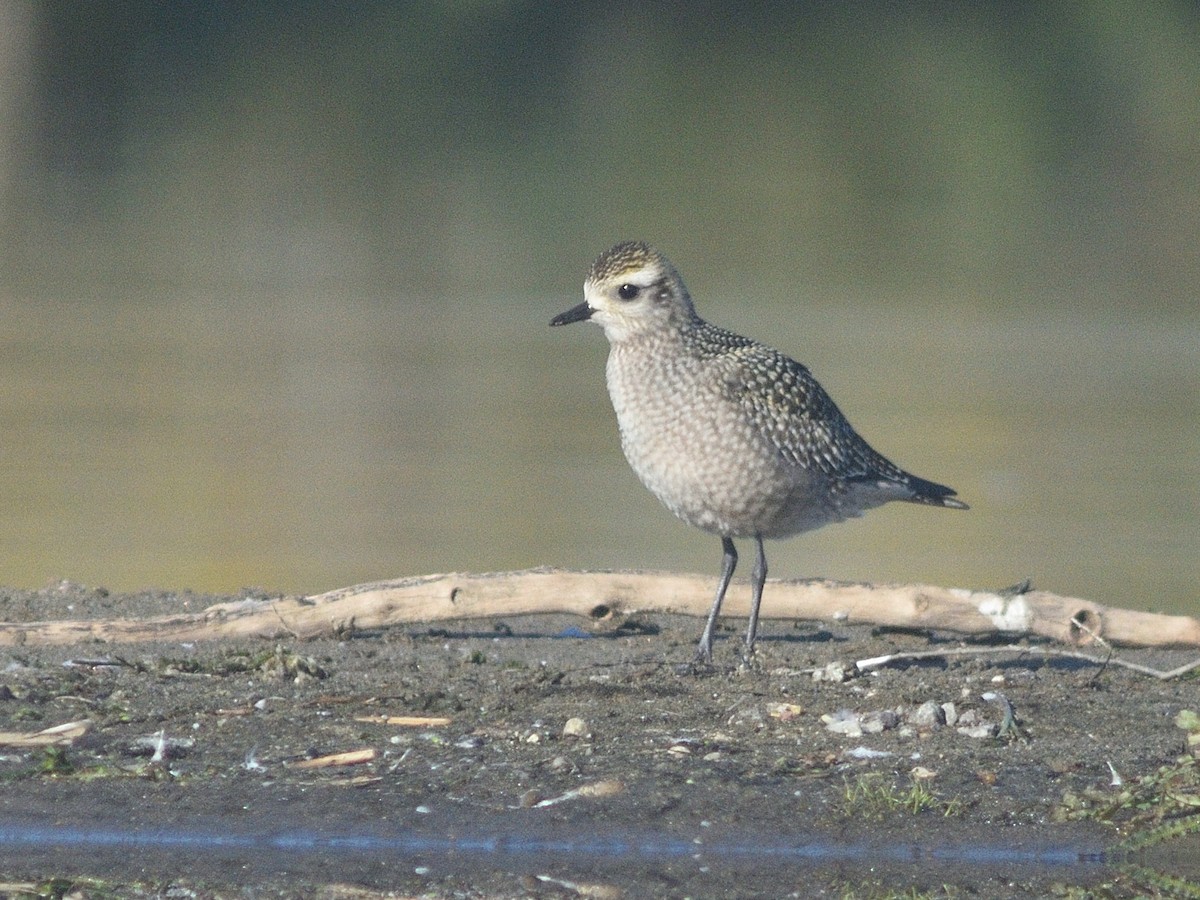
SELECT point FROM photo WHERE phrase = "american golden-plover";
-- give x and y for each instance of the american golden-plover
(732, 436)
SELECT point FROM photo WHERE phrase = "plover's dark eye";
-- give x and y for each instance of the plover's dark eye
(628, 291)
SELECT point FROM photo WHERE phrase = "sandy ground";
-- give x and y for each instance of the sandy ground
(551, 756)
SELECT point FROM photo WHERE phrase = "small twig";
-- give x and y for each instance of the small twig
(57, 735)
(348, 758)
(406, 721)
(282, 621)
(1083, 626)
(1078, 622)
(598, 789)
(599, 891)
(876, 662)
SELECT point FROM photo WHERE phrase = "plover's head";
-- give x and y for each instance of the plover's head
(632, 289)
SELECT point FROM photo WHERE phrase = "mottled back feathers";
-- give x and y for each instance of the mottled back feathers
(788, 406)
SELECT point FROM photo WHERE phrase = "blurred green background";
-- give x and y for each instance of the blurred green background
(276, 277)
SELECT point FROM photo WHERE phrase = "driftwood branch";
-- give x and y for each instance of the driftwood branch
(465, 596)
(875, 662)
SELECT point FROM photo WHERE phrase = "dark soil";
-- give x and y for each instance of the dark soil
(725, 783)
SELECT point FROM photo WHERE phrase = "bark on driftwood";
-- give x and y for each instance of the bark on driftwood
(464, 596)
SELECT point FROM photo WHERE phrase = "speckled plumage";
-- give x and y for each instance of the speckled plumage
(732, 436)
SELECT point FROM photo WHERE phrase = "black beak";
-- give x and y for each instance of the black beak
(574, 314)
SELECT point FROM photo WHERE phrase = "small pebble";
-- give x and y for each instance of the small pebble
(950, 712)
(969, 717)
(834, 671)
(878, 720)
(927, 715)
(844, 721)
(986, 730)
(867, 753)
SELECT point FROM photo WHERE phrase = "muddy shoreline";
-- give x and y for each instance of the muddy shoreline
(469, 781)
